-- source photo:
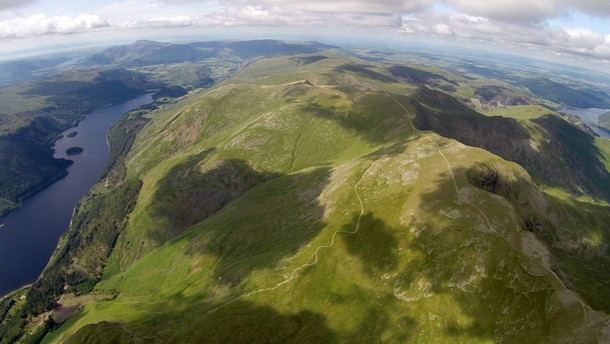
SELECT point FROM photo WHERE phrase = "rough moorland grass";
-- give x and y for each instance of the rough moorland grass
(403, 275)
(520, 112)
(364, 232)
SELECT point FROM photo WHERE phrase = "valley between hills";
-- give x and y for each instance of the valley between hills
(323, 196)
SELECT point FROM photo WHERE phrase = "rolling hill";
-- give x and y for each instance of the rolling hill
(322, 198)
(143, 52)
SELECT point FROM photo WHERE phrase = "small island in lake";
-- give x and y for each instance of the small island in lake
(72, 134)
(74, 150)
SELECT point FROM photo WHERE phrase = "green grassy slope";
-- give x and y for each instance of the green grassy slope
(520, 112)
(275, 209)
(554, 151)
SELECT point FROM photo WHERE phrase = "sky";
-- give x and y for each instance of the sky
(576, 29)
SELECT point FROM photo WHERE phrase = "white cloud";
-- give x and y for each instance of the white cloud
(540, 36)
(341, 6)
(180, 21)
(40, 24)
(596, 8)
(532, 11)
(501, 22)
(508, 10)
(259, 16)
(508, 22)
(581, 41)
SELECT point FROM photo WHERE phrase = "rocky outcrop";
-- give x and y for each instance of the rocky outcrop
(566, 157)
(496, 97)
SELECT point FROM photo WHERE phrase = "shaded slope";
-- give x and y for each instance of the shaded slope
(34, 113)
(362, 229)
(554, 151)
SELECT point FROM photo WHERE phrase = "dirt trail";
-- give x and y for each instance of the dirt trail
(295, 273)
(584, 306)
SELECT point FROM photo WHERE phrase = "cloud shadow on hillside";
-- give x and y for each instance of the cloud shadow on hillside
(248, 231)
(374, 243)
(374, 116)
(463, 259)
(188, 322)
(186, 195)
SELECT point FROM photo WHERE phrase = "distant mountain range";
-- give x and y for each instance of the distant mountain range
(142, 53)
(315, 197)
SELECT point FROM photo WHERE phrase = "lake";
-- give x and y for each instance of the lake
(590, 115)
(29, 234)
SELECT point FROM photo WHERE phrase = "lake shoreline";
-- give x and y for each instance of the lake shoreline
(60, 135)
(588, 116)
(31, 232)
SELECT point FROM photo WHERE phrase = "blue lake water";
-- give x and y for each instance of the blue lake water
(590, 115)
(29, 234)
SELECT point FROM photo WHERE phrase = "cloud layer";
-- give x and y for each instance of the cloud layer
(522, 23)
(532, 11)
(337, 6)
(542, 36)
(40, 24)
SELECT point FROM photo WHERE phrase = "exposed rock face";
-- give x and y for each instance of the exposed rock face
(496, 97)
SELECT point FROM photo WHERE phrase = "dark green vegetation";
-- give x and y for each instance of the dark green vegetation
(496, 81)
(72, 134)
(31, 69)
(84, 249)
(332, 199)
(26, 161)
(550, 148)
(579, 123)
(74, 150)
(35, 113)
(584, 97)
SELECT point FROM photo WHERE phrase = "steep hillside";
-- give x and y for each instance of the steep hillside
(319, 198)
(553, 150)
(34, 113)
(331, 204)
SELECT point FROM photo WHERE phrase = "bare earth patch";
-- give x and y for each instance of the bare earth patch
(70, 303)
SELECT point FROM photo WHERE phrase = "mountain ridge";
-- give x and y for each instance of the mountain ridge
(357, 210)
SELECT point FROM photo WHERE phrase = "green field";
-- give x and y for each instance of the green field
(521, 112)
(279, 210)
(322, 198)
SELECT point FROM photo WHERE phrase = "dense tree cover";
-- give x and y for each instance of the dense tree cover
(26, 157)
(94, 229)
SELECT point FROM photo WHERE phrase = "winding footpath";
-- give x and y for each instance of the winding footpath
(584, 306)
(316, 256)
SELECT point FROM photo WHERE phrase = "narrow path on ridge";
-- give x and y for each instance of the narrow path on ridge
(584, 306)
(294, 274)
